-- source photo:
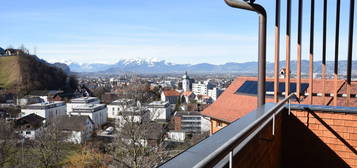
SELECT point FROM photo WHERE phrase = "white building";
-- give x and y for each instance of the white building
(177, 136)
(186, 83)
(77, 129)
(214, 93)
(29, 126)
(46, 110)
(118, 106)
(201, 88)
(81, 101)
(159, 110)
(191, 122)
(132, 115)
(97, 112)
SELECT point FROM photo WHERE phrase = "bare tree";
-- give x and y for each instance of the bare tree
(47, 150)
(8, 141)
(139, 142)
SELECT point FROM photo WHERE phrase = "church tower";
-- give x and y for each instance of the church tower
(185, 82)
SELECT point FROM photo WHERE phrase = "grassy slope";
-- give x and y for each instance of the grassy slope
(9, 71)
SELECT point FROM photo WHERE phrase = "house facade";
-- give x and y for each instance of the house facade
(78, 129)
(159, 110)
(97, 112)
(119, 106)
(47, 110)
(29, 126)
(191, 122)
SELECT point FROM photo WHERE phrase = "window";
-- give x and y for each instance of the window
(219, 124)
(28, 132)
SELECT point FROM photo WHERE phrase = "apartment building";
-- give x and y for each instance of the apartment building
(80, 101)
(98, 113)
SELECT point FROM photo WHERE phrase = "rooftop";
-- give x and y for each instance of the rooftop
(45, 105)
(232, 105)
(84, 100)
(89, 108)
(171, 93)
(73, 122)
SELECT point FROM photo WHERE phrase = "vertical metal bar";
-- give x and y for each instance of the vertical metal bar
(349, 54)
(273, 126)
(230, 159)
(277, 51)
(323, 75)
(298, 80)
(262, 59)
(311, 68)
(288, 46)
(262, 43)
(289, 110)
(337, 37)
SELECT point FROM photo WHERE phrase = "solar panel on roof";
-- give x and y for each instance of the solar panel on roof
(251, 88)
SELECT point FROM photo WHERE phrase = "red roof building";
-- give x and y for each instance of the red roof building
(231, 105)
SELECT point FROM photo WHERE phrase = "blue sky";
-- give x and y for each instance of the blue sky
(179, 31)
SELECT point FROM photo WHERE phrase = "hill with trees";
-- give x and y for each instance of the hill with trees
(24, 72)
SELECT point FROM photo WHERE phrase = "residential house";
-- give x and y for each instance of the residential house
(48, 110)
(29, 126)
(118, 106)
(159, 111)
(172, 96)
(79, 129)
(132, 115)
(13, 52)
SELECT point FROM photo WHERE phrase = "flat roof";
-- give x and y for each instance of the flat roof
(84, 100)
(89, 108)
(45, 105)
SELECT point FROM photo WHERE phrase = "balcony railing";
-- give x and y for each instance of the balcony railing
(224, 148)
(282, 134)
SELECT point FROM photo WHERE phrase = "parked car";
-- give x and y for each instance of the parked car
(109, 130)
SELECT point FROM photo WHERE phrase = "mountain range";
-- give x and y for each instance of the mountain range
(161, 66)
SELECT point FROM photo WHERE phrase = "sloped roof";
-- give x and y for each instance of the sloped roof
(231, 106)
(33, 119)
(171, 93)
(72, 123)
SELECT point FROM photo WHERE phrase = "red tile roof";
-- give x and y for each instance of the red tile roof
(171, 93)
(231, 106)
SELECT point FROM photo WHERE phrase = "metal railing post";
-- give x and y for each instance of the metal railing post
(262, 43)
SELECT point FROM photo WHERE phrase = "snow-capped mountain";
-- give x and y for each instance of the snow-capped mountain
(150, 65)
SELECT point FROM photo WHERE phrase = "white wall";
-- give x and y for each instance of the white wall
(114, 110)
(70, 106)
(99, 117)
(160, 113)
(176, 136)
(49, 114)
